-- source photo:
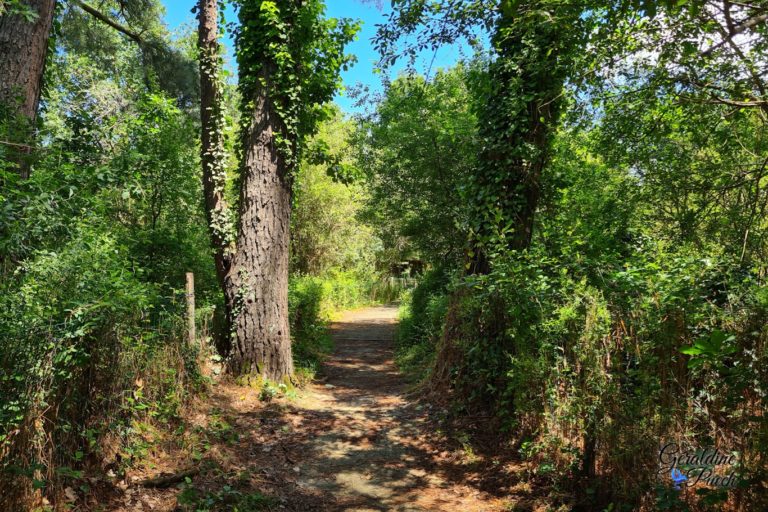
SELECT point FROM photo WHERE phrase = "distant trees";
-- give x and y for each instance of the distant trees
(328, 229)
(25, 29)
(691, 119)
(417, 153)
(517, 107)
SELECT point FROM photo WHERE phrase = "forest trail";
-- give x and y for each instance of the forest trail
(367, 445)
(350, 441)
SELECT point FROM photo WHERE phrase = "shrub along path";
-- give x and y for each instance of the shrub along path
(350, 441)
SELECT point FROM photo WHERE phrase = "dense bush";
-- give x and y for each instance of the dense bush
(606, 338)
(421, 320)
(415, 154)
(93, 251)
(591, 375)
(90, 350)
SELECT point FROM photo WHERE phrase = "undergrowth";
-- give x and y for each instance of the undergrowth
(592, 371)
(312, 303)
(421, 316)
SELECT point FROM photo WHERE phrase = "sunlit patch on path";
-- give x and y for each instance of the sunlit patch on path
(351, 441)
(366, 442)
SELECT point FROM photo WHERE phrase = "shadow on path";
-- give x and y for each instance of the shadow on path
(351, 441)
(365, 444)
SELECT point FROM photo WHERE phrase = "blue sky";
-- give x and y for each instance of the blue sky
(179, 12)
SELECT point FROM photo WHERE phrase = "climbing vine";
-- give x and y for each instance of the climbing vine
(535, 44)
(17, 7)
(292, 53)
(213, 151)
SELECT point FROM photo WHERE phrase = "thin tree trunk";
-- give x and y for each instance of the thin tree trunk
(518, 141)
(516, 146)
(259, 274)
(23, 49)
(212, 156)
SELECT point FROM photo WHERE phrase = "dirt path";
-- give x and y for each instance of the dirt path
(351, 441)
(372, 453)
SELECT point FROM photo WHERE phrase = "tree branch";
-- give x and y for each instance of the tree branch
(742, 104)
(168, 480)
(105, 19)
(737, 29)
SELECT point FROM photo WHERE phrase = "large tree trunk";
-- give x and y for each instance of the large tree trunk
(253, 267)
(259, 275)
(23, 49)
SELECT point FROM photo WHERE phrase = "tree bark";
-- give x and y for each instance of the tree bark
(253, 266)
(23, 49)
(106, 20)
(258, 278)
(212, 156)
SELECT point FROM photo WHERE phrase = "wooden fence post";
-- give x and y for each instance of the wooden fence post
(191, 335)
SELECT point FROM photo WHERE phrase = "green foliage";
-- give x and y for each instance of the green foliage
(606, 162)
(192, 499)
(422, 315)
(85, 334)
(519, 104)
(416, 26)
(390, 290)
(17, 7)
(94, 247)
(713, 349)
(417, 152)
(161, 63)
(579, 350)
(610, 327)
(290, 53)
(312, 302)
(327, 231)
(422, 306)
(631, 306)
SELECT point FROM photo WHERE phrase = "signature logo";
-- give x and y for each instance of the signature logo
(707, 466)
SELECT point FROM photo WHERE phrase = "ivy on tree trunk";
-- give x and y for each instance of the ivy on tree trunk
(289, 59)
(535, 43)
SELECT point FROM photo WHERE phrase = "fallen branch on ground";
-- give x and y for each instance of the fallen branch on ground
(160, 482)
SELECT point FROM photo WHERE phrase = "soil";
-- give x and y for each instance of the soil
(353, 440)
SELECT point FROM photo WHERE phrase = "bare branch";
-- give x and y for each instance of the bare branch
(105, 19)
(737, 29)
